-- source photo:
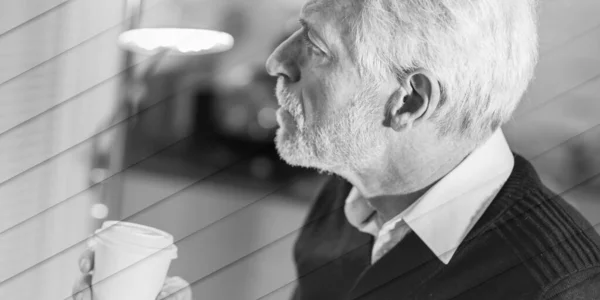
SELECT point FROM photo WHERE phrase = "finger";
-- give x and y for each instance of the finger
(175, 288)
(82, 288)
(86, 261)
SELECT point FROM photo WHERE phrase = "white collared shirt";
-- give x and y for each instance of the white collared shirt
(445, 214)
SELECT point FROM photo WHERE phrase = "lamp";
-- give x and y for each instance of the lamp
(182, 41)
(108, 152)
(159, 42)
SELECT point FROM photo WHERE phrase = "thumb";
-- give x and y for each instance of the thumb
(86, 261)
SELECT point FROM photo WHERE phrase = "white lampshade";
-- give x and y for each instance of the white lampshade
(182, 41)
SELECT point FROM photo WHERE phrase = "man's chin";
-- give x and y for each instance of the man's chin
(291, 149)
(295, 150)
(285, 142)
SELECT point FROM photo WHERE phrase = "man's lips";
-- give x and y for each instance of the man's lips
(293, 108)
(285, 117)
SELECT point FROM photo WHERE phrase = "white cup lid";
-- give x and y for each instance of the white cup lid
(136, 234)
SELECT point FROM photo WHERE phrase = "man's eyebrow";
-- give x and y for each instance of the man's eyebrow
(304, 23)
(310, 28)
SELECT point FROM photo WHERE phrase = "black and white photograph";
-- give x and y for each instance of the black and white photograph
(300, 149)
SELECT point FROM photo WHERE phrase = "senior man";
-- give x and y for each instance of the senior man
(402, 101)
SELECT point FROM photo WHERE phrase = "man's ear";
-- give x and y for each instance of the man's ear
(414, 101)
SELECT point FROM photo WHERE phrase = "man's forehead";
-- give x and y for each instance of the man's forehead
(332, 18)
(330, 8)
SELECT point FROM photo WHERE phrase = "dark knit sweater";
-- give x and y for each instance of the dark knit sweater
(529, 244)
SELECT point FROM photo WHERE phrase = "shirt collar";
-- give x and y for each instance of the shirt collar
(444, 215)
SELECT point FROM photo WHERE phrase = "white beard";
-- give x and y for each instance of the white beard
(348, 140)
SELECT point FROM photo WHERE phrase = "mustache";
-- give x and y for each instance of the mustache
(289, 101)
(284, 95)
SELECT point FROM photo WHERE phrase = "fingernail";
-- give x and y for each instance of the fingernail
(162, 295)
(84, 265)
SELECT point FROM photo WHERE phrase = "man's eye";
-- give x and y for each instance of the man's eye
(310, 45)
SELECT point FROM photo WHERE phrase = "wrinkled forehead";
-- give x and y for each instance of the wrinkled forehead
(333, 16)
(332, 7)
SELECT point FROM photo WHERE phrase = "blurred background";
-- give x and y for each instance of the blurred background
(90, 131)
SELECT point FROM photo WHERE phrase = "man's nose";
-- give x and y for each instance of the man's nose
(284, 62)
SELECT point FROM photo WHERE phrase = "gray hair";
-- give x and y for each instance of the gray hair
(483, 52)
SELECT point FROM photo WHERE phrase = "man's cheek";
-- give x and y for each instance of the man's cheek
(315, 103)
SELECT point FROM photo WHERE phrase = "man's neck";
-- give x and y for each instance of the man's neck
(392, 188)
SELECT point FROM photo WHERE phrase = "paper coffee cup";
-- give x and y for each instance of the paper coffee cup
(131, 261)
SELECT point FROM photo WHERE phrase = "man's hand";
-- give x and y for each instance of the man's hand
(174, 288)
